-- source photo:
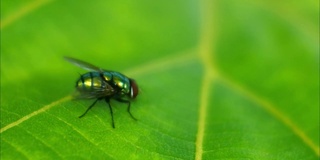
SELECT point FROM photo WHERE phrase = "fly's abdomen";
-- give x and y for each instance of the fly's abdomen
(90, 81)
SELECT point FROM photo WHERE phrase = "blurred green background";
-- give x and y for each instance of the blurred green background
(218, 79)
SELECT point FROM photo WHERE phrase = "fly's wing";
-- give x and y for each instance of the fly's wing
(84, 65)
(94, 92)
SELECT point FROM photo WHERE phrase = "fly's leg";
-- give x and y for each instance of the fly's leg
(128, 102)
(108, 101)
(89, 108)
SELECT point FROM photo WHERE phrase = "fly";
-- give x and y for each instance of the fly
(104, 85)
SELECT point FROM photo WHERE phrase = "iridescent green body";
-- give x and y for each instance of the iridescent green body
(101, 84)
(104, 85)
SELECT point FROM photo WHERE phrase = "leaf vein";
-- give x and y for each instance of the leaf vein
(206, 55)
(272, 110)
(43, 109)
(23, 12)
(18, 149)
(83, 135)
(43, 142)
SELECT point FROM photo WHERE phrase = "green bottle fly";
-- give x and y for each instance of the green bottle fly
(102, 84)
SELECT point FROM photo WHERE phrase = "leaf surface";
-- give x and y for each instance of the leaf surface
(218, 79)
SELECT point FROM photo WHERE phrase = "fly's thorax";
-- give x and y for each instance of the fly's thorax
(122, 82)
(90, 80)
(107, 76)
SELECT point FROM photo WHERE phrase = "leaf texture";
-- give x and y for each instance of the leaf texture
(218, 79)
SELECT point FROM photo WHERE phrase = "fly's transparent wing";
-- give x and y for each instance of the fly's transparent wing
(84, 65)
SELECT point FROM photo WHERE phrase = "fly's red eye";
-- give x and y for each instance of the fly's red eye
(134, 89)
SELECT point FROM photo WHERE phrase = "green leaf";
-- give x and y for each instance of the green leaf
(218, 79)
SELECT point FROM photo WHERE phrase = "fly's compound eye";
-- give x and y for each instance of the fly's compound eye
(134, 90)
